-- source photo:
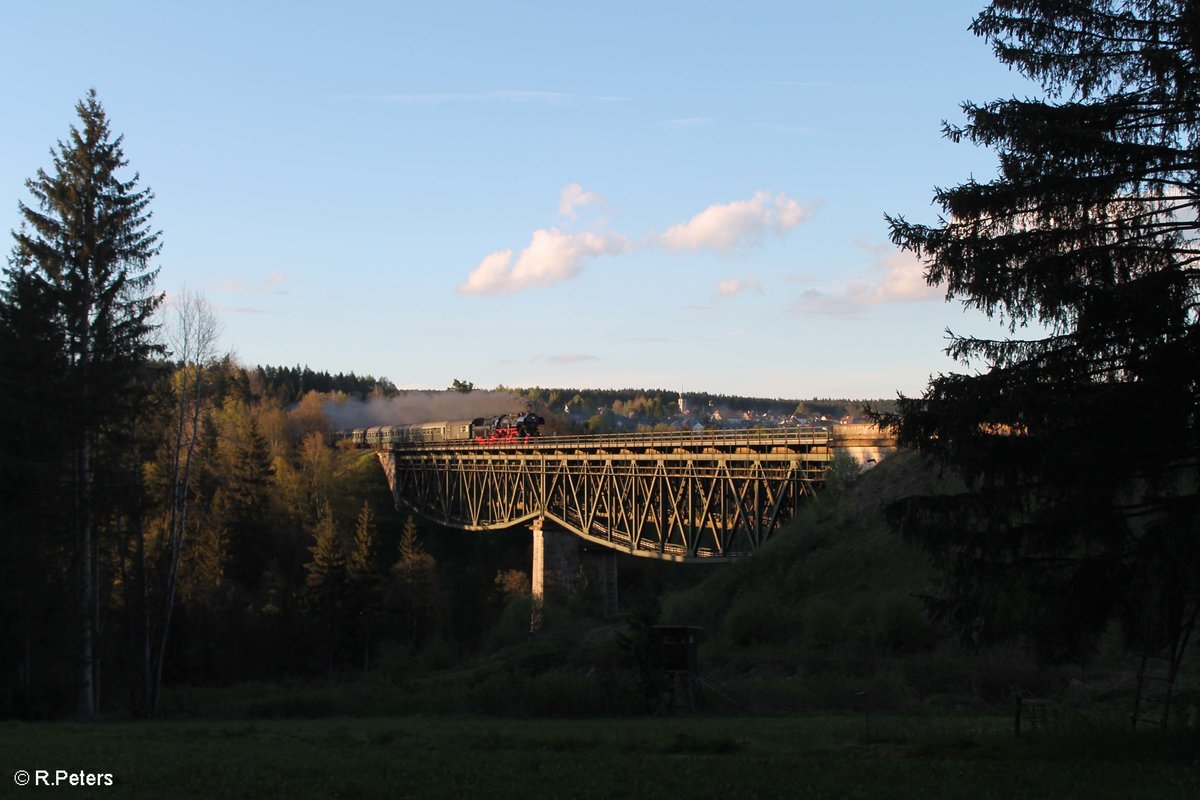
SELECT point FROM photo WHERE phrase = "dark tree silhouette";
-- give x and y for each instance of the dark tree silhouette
(1077, 434)
(83, 253)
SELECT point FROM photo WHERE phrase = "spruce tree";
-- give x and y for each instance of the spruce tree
(84, 250)
(363, 578)
(416, 585)
(326, 584)
(1077, 432)
(243, 503)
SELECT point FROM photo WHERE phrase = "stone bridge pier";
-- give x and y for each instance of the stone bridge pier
(564, 566)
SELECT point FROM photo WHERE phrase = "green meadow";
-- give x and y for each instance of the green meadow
(842, 756)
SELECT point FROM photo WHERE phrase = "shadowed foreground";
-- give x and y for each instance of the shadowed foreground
(825, 756)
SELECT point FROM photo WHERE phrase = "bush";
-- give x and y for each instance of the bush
(500, 694)
(564, 694)
(902, 626)
(1004, 670)
(841, 472)
(436, 654)
(945, 671)
(512, 627)
(823, 624)
(755, 617)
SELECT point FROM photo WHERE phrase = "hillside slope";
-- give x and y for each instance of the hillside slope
(832, 607)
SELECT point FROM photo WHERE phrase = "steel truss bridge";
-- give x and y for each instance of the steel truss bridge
(674, 496)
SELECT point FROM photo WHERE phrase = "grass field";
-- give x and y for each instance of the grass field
(457, 757)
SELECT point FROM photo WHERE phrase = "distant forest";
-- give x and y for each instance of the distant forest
(667, 400)
(291, 384)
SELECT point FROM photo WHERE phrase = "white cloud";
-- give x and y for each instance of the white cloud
(731, 287)
(896, 277)
(573, 196)
(725, 226)
(552, 256)
(899, 277)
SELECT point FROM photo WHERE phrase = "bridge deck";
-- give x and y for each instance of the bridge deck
(781, 440)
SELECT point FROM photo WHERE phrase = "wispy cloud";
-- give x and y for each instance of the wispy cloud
(552, 256)
(498, 96)
(447, 98)
(572, 197)
(726, 226)
(567, 358)
(895, 277)
(269, 285)
(731, 287)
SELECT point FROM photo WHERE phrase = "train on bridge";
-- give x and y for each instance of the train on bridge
(506, 427)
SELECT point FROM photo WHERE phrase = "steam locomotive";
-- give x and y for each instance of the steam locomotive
(506, 427)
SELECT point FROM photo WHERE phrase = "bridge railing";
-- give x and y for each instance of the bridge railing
(801, 435)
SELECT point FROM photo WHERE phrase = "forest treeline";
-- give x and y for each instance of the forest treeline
(291, 384)
(661, 404)
(291, 561)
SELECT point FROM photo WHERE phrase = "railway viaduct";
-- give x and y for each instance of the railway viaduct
(679, 496)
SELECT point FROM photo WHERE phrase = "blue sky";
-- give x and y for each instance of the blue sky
(667, 195)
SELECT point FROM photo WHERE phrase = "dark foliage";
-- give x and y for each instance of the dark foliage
(76, 320)
(1078, 438)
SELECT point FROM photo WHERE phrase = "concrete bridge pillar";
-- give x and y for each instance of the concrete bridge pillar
(564, 567)
(557, 567)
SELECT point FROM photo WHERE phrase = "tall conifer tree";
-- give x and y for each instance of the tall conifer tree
(86, 245)
(1077, 434)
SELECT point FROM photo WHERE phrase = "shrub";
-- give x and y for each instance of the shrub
(902, 626)
(564, 694)
(823, 624)
(755, 617)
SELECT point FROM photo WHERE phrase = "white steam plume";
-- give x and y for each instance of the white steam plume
(416, 407)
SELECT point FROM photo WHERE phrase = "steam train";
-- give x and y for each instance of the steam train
(506, 427)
